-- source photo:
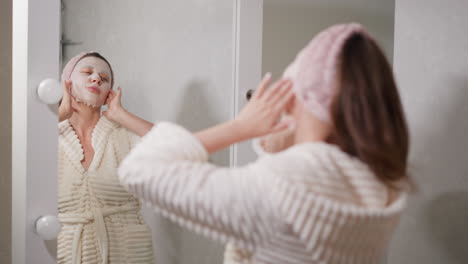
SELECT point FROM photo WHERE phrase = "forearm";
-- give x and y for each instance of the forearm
(169, 170)
(133, 123)
(222, 136)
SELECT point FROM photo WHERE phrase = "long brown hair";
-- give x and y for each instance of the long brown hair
(369, 122)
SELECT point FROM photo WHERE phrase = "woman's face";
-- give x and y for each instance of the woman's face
(91, 81)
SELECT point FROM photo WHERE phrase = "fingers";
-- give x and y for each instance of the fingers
(262, 86)
(119, 92)
(67, 87)
(110, 96)
(286, 96)
(113, 94)
(73, 99)
(277, 90)
(280, 126)
(74, 104)
(282, 92)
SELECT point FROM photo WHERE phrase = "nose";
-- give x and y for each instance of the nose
(95, 78)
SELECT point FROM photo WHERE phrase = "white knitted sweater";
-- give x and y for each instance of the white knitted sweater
(311, 203)
(101, 221)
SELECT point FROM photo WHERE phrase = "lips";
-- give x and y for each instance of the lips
(94, 89)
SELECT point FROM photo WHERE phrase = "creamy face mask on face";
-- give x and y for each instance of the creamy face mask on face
(91, 81)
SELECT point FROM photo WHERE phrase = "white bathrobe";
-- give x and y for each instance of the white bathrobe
(101, 221)
(311, 203)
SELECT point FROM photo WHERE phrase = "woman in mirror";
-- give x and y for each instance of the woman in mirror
(101, 221)
(331, 194)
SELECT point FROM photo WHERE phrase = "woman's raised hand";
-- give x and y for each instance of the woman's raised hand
(65, 108)
(261, 116)
(114, 105)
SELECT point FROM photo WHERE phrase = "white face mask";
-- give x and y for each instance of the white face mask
(91, 81)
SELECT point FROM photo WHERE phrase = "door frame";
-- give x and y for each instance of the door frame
(247, 65)
(35, 56)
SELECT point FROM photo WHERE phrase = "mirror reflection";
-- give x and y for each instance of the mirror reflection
(94, 209)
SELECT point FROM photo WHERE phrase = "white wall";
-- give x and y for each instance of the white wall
(288, 25)
(431, 64)
(5, 130)
(173, 60)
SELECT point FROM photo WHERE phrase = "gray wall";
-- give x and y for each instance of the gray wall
(173, 60)
(5, 130)
(431, 64)
(288, 25)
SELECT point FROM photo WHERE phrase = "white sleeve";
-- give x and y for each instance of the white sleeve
(168, 170)
(258, 148)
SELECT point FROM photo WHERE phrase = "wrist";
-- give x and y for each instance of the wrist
(240, 129)
(119, 115)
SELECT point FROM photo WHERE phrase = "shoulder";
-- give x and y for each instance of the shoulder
(306, 156)
(64, 127)
(310, 164)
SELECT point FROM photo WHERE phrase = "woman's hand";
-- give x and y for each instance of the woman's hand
(116, 113)
(114, 106)
(261, 116)
(279, 141)
(65, 108)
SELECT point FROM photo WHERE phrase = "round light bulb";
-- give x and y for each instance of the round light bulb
(50, 91)
(48, 227)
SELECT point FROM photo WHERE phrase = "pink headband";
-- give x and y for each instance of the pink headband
(70, 66)
(314, 71)
(68, 69)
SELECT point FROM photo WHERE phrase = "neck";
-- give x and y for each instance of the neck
(85, 119)
(310, 129)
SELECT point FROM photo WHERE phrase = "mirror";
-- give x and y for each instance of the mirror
(173, 61)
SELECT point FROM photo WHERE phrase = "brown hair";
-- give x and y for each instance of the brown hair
(369, 122)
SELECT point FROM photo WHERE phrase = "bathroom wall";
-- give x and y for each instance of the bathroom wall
(289, 25)
(431, 65)
(5, 130)
(173, 60)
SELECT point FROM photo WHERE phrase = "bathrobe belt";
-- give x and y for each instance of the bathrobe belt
(97, 216)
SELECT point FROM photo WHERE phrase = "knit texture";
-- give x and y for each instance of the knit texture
(311, 203)
(101, 221)
(315, 70)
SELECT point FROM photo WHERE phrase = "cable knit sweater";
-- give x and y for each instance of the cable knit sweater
(311, 203)
(101, 221)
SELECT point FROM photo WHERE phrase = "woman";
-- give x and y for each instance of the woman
(333, 196)
(101, 221)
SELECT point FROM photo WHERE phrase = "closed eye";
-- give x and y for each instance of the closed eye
(104, 78)
(86, 71)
